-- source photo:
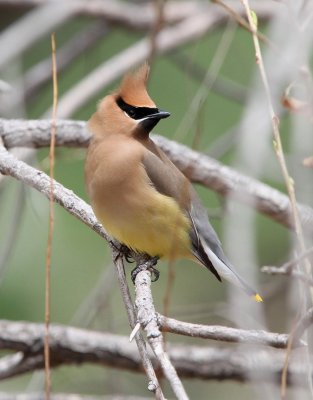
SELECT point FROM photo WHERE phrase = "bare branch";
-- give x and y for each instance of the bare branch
(153, 384)
(74, 346)
(225, 334)
(148, 320)
(40, 181)
(198, 167)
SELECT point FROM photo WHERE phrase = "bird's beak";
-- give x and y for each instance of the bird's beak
(149, 122)
(159, 115)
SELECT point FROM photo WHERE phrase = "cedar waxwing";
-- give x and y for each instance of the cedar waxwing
(138, 194)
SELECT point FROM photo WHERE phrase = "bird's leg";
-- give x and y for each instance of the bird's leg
(124, 250)
(127, 253)
(144, 266)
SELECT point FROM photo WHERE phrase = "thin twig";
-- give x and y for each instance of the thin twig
(241, 21)
(51, 220)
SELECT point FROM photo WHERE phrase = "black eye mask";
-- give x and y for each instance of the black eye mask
(135, 112)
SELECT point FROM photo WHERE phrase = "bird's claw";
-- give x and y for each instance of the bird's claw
(147, 266)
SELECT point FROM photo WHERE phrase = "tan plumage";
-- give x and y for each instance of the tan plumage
(137, 193)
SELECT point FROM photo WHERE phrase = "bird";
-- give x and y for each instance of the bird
(141, 198)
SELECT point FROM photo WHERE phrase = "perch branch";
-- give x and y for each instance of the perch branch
(148, 320)
(153, 384)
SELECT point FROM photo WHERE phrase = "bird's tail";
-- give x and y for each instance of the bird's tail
(227, 271)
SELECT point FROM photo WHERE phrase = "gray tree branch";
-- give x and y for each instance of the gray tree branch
(75, 346)
(225, 334)
(198, 167)
(148, 320)
(153, 384)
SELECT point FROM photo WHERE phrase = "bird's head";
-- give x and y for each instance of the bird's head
(129, 110)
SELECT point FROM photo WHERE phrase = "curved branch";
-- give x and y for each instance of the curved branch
(75, 346)
(198, 167)
(40, 181)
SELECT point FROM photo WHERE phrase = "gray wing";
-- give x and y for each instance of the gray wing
(206, 246)
(170, 181)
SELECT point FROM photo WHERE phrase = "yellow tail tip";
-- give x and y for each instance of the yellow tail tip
(257, 298)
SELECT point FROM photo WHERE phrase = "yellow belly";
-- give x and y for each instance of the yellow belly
(158, 227)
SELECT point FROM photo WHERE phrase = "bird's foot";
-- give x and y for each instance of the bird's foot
(146, 266)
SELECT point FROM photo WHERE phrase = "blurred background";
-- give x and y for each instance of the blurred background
(203, 71)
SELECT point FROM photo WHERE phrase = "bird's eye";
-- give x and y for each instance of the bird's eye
(131, 112)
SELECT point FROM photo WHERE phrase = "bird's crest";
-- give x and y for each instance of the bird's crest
(133, 89)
